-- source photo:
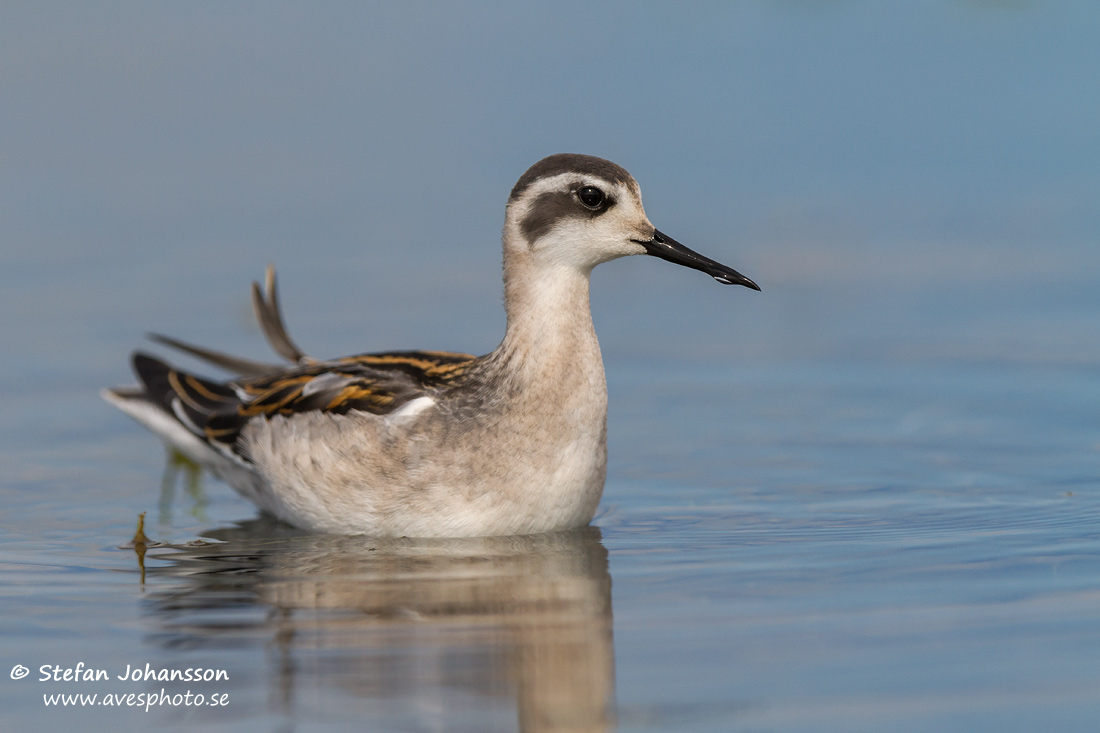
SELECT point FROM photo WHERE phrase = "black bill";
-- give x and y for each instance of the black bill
(667, 248)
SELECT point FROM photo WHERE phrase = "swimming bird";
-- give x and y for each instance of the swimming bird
(430, 443)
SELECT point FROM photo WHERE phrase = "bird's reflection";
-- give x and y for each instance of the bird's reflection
(412, 625)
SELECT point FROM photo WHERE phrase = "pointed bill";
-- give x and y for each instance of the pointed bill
(669, 249)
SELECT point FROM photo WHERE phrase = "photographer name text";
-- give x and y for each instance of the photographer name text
(83, 673)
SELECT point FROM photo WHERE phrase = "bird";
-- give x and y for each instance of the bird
(430, 443)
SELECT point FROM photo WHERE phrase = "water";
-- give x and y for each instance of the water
(866, 498)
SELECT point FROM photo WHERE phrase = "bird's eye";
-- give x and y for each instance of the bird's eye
(591, 197)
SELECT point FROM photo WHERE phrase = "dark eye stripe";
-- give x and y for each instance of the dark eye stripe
(549, 208)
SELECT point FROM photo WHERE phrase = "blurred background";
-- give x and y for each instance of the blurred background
(881, 155)
(915, 186)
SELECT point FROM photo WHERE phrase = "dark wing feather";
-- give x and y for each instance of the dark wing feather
(235, 364)
(265, 304)
(375, 383)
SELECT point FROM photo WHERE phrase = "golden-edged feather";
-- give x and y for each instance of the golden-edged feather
(374, 383)
(218, 411)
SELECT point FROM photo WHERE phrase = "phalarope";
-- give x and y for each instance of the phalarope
(429, 443)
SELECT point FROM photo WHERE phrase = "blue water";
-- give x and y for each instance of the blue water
(864, 499)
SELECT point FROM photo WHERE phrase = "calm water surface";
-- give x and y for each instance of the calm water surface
(829, 546)
(865, 499)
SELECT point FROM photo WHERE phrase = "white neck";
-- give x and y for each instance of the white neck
(549, 319)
